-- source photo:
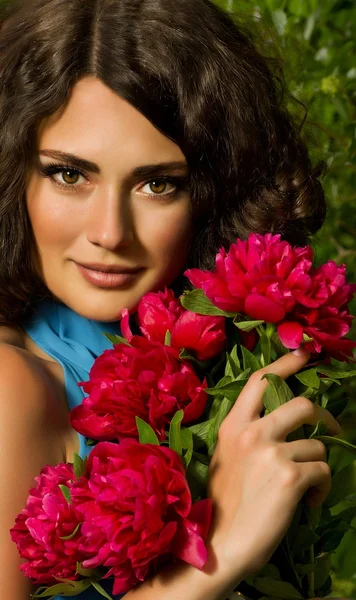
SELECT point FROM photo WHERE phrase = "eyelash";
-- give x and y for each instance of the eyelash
(49, 170)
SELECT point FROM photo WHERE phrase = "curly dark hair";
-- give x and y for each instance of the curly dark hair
(195, 75)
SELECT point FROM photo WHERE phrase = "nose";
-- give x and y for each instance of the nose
(109, 220)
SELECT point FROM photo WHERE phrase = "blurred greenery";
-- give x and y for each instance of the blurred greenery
(317, 40)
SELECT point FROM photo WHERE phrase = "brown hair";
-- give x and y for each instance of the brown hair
(197, 76)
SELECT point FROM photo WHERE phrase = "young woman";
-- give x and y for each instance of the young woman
(136, 138)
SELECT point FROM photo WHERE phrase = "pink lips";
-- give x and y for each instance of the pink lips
(109, 277)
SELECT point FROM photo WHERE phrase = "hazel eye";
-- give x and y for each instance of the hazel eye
(70, 177)
(160, 187)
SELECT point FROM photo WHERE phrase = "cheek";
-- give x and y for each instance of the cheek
(170, 234)
(53, 220)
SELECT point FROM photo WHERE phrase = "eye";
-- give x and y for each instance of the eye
(65, 177)
(69, 176)
(158, 187)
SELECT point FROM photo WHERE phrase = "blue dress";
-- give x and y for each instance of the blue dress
(74, 342)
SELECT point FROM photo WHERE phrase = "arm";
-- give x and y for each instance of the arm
(30, 438)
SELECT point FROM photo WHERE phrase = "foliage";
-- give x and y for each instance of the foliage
(317, 41)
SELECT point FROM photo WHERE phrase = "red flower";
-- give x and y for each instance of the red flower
(40, 526)
(146, 379)
(261, 277)
(137, 508)
(322, 314)
(202, 336)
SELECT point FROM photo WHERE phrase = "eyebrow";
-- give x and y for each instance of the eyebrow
(91, 167)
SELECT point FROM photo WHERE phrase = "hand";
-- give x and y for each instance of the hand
(256, 478)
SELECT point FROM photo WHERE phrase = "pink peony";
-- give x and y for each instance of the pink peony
(40, 526)
(261, 277)
(137, 508)
(146, 379)
(267, 279)
(322, 314)
(202, 336)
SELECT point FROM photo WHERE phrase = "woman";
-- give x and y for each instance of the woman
(136, 138)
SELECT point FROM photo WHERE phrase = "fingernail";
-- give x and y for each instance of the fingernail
(300, 351)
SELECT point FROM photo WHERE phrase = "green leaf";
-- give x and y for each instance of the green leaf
(224, 409)
(196, 301)
(69, 537)
(322, 571)
(270, 570)
(146, 433)
(201, 430)
(336, 405)
(85, 572)
(175, 441)
(197, 475)
(101, 590)
(247, 325)
(233, 367)
(334, 441)
(117, 339)
(249, 360)
(79, 465)
(335, 372)
(63, 589)
(230, 390)
(280, 21)
(309, 378)
(188, 445)
(305, 569)
(320, 430)
(167, 338)
(314, 516)
(274, 587)
(304, 538)
(277, 392)
(66, 493)
(343, 484)
(331, 539)
(266, 348)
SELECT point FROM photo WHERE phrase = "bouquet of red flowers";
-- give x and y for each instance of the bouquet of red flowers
(133, 506)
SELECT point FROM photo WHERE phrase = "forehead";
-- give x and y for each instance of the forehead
(97, 120)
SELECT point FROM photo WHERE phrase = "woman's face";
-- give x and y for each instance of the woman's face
(99, 200)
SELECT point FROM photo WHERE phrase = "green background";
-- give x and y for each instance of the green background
(317, 40)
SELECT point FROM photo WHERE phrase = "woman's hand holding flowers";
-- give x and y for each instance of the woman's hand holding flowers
(257, 478)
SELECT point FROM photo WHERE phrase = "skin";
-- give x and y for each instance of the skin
(109, 217)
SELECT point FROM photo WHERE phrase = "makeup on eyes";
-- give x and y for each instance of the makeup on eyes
(181, 183)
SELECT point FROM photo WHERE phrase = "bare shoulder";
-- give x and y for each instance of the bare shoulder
(29, 398)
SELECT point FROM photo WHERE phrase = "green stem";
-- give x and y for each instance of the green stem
(311, 576)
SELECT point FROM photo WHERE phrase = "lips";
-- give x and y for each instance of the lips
(104, 268)
(109, 276)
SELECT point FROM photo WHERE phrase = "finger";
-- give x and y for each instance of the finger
(295, 413)
(317, 481)
(305, 451)
(249, 404)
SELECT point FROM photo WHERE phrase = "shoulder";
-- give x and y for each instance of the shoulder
(29, 404)
(23, 388)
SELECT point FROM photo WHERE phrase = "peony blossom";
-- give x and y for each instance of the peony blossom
(322, 314)
(136, 508)
(202, 336)
(145, 379)
(267, 279)
(46, 519)
(259, 278)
